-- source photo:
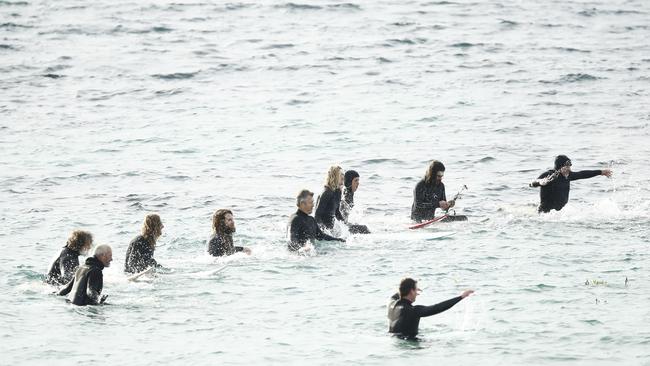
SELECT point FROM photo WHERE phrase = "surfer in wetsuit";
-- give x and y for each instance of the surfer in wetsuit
(429, 194)
(302, 227)
(86, 286)
(404, 318)
(62, 269)
(221, 243)
(139, 255)
(351, 182)
(329, 202)
(556, 183)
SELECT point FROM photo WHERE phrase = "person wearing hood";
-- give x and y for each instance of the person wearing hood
(302, 227)
(139, 255)
(351, 183)
(429, 194)
(86, 286)
(556, 183)
(404, 318)
(221, 243)
(62, 269)
(329, 202)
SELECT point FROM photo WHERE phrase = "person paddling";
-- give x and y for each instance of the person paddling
(429, 194)
(556, 183)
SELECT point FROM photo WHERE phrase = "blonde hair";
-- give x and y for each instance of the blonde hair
(333, 181)
(152, 228)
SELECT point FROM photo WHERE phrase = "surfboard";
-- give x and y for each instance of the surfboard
(138, 275)
(452, 218)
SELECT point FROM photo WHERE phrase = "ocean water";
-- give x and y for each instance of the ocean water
(111, 110)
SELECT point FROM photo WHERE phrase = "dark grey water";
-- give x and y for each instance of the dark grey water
(111, 110)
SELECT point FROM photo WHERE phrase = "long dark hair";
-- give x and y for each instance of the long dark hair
(432, 171)
(219, 221)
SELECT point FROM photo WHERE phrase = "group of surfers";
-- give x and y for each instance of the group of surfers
(83, 283)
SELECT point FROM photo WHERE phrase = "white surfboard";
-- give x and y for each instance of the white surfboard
(413, 235)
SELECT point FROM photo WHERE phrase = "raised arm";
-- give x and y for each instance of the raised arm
(545, 178)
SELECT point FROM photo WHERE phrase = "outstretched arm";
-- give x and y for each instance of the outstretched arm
(423, 311)
(584, 174)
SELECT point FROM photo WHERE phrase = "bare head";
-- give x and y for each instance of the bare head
(223, 222)
(334, 177)
(435, 172)
(408, 289)
(152, 228)
(305, 201)
(80, 241)
(104, 254)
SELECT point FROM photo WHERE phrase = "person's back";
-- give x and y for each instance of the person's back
(139, 255)
(86, 286)
(63, 268)
(328, 208)
(222, 245)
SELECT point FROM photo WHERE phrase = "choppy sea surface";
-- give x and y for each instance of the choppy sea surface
(110, 110)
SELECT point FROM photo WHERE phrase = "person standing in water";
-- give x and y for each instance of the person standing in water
(404, 318)
(329, 202)
(302, 227)
(62, 269)
(221, 243)
(556, 183)
(351, 183)
(429, 194)
(86, 286)
(139, 255)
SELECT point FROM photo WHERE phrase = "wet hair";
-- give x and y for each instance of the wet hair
(102, 249)
(432, 171)
(333, 181)
(152, 228)
(219, 220)
(406, 286)
(79, 239)
(303, 195)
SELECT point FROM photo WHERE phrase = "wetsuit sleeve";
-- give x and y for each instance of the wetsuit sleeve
(535, 183)
(339, 215)
(66, 290)
(423, 311)
(320, 235)
(94, 289)
(584, 174)
(239, 249)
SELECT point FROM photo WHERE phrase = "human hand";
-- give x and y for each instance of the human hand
(606, 172)
(247, 250)
(466, 293)
(452, 203)
(444, 205)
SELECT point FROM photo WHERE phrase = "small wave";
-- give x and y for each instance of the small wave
(176, 75)
(8, 47)
(161, 29)
(294, 6)
(440, 3)
(570, 49)
(402, 24)
(278, 46)
(14, 3)
(382, 160)
(508, 23)
(465, 45)
(298, 102)
(345, 6)
(53, 76)
(383, 60)
(572, 78)
(486, 159)
(14, 25)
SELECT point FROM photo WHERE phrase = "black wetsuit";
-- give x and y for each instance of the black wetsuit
(139, 256)
(426, 198)
(346, 206)
(62, 269)
(555, 194)
(303, 228)
(86, 286)
(221, 244)
(404, 318)
(328, 208)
